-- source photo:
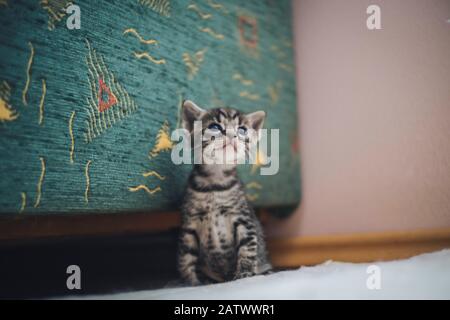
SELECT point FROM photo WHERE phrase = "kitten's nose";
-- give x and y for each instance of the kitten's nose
(230, 133)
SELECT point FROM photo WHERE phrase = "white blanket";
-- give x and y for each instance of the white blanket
(426, 276)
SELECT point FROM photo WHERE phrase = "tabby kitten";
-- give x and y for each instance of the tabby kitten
(221, 238)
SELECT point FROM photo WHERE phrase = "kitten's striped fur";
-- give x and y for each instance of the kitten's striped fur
(221, 238)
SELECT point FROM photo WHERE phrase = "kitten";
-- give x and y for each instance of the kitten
(221, 238)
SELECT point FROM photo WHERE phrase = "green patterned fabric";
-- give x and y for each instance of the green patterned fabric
(84, 114)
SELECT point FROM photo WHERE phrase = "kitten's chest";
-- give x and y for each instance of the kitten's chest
(216, 227)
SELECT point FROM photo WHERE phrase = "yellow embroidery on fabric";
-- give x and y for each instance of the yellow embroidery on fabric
(286, 67)
(160, 6)
(163, 141)
(153, 173)
(193, 62)
(145, 188)
(88, 181)
(245, 82)
(5, 90)
(280, 53)
(204, 16)
(248, 95)
(108, 118)
(252, 197)
(56, 11)
(6, 111)
(72, 140)
(253, 185)
(28, 74)
(39, 185)
(92, 101)
(147, 56)
(41, 103)
(212, 33)
(92, 125)
(240, 77)
(260, 160)
(23, 195)
(216, 6)
(137, 35)
(274, 91)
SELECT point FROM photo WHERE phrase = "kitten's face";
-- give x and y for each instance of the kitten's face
(227, 134)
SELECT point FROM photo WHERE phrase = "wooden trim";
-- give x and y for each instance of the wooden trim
(47, 226)
(284, 252)
(366, 247)
(26, 227)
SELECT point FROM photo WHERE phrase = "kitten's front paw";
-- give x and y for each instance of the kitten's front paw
(242, 275)
(267, 272)
(191, 281)
(195, 282)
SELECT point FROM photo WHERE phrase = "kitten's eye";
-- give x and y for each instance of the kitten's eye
(215, 127)
(242, 131)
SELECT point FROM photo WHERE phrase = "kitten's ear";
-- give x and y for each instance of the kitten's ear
(190, 113)
(256, 120)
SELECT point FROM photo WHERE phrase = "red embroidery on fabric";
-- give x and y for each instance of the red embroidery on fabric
(103, 89)
(248, 31)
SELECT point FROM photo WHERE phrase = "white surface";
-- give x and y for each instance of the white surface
(422, 277)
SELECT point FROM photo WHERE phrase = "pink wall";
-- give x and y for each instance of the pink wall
(374, 117)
